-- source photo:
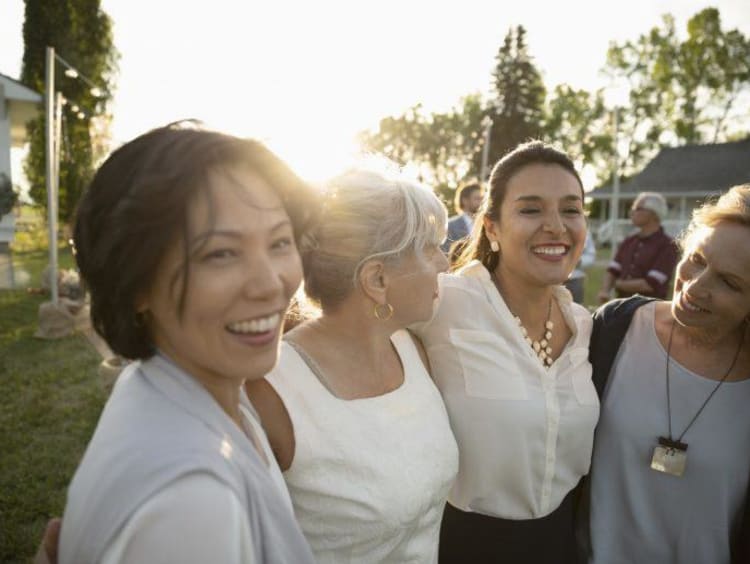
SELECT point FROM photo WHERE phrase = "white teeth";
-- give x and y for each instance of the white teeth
(689, 306)
(556, 250)
(259, 325)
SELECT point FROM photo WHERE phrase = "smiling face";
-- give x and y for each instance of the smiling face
(541, 227)
(243, 269)
(712, 283)
(413, 286)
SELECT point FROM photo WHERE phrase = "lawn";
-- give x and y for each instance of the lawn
(50, 399)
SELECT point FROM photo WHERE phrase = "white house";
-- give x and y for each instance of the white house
(686, 176)
(18, 105)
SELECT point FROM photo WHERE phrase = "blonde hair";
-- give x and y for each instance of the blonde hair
(368, 213)
(733, 206)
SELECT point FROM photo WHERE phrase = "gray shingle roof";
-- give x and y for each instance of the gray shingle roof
(692, 168)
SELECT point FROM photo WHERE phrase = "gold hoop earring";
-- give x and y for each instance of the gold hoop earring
(495, 246)
(379, 312)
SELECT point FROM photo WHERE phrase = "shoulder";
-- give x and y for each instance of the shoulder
(196, 518)
(618, 310)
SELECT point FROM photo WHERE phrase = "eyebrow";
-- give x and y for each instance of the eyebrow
(201, 238)
(568, 198)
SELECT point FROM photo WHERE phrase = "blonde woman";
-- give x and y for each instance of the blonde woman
(671, 463)
(354, 419)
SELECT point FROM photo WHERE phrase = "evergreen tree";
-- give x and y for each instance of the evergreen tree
(517, 109)
(81, 33)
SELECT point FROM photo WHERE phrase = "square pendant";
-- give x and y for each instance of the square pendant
(669, 460)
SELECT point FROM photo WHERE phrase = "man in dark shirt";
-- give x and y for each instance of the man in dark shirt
(644, 262)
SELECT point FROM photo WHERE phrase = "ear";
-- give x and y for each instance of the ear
(373, 280)
(141, 302)
(491, 229)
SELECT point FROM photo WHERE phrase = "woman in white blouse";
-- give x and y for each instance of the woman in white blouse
(351, 412)
(508, 349)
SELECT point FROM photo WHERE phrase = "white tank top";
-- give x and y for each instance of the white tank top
(370, 476)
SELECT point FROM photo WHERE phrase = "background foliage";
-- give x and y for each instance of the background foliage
(681, 90)
(81, 33)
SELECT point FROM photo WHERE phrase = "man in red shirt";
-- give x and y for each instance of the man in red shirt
(644, 262)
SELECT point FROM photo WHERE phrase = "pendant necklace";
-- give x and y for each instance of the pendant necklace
(670, 455)
(543, 347)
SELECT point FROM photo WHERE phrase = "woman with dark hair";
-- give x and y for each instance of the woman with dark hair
(508, 349)
(187, 242)
(671, 464)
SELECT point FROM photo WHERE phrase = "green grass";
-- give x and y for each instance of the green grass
(34, 262)
(594, 276)
(50, 399)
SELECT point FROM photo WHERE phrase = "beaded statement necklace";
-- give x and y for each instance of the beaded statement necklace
(542, 347)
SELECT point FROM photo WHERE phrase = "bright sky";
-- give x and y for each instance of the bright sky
(307, 76)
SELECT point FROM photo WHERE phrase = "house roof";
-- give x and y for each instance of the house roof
(16, 91)
(690, 169)
(23, 105)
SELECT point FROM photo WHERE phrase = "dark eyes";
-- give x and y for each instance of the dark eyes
(566, 211)
(219, 254)
(697, 259)
(282, 243)
(731, 285)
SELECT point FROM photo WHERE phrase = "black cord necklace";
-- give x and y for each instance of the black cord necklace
(670, 455)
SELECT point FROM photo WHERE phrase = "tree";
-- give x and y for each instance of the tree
(81, 33)
(517, 109)
(577, 121)
(443, 146)
(8, 196)
(681, 91)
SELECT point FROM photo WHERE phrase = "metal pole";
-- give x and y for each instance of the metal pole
(485, 148)
(614, 202)
(49, 91)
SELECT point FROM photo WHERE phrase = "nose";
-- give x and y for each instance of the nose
(696, 283)
(554, 223)
(263, 280)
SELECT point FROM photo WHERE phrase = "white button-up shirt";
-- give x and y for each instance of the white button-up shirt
(525, 432)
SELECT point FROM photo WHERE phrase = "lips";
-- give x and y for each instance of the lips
(255, 326)
(551, 250)
(691, 306)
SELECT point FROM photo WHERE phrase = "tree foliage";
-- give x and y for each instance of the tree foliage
(443, 146)
(81, 33)
(680, 91)
(8, 196)
(517, 107)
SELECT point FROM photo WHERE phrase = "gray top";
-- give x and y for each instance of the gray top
(159, 425)
(644, 516)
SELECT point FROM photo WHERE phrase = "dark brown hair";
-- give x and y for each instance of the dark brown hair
(526, 154)
(463, 192)
(136, 207)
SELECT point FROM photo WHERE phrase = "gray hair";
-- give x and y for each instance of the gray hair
(368, 213)
(654, 202)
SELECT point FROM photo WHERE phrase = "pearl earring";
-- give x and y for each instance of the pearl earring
(494, 245)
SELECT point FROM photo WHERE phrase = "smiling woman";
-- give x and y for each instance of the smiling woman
(187, 241)
(668, 483)
(508, 350)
